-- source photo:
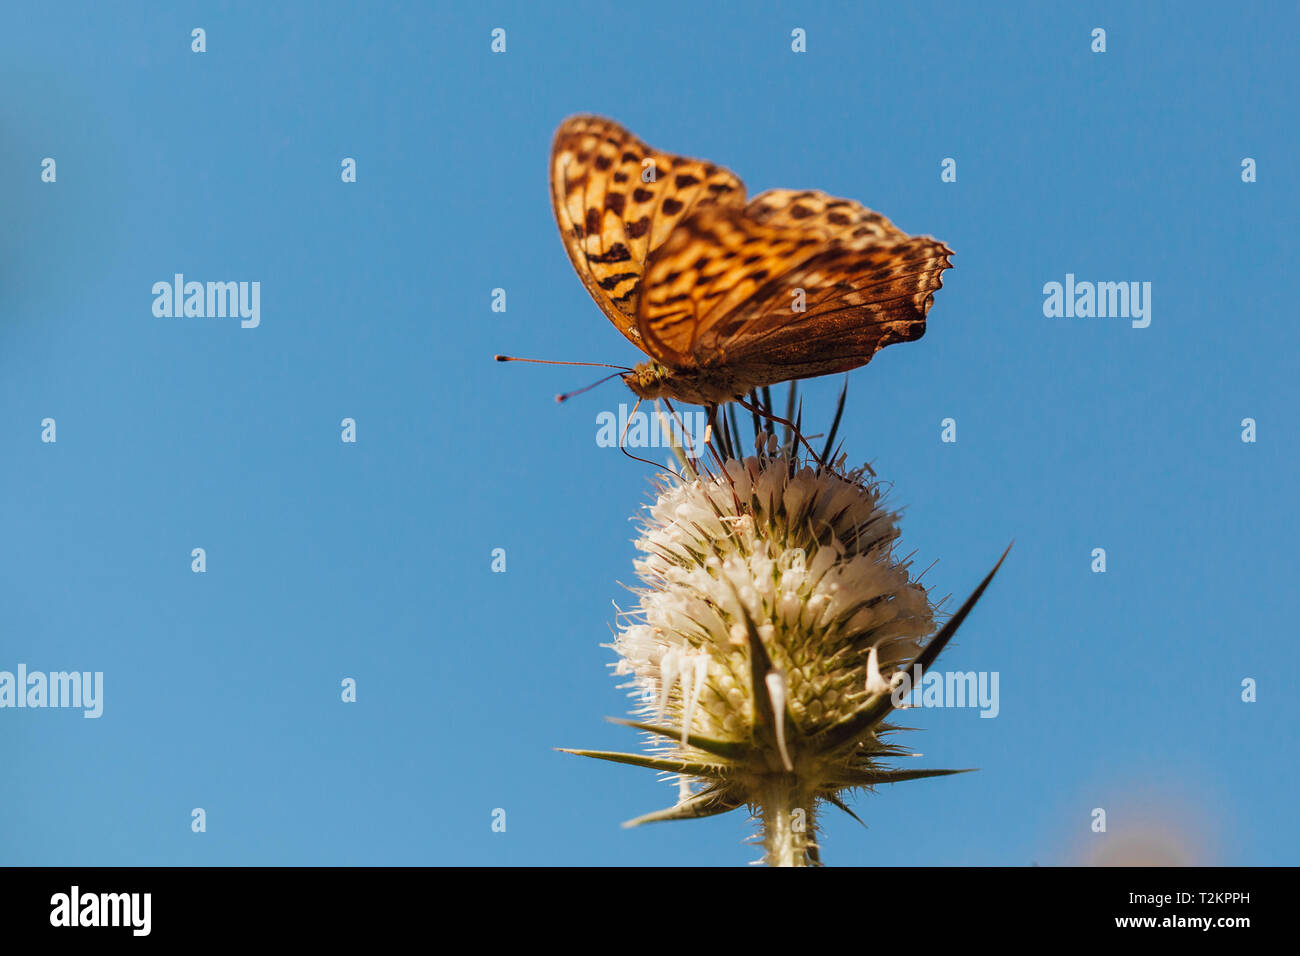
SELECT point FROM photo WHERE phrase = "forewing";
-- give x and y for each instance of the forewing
(717, 259)
(616, 200)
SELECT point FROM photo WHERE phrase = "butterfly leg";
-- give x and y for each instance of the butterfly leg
(688, 439)
(768, 414)
(718, 435)
(623, 448)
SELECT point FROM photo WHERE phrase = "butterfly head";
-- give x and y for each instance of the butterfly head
(648, 380)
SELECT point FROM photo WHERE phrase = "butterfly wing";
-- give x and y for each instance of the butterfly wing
(616, 200)
(714, 262)
(796, 284)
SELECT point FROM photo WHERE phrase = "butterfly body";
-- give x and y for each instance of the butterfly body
(650, 380)
(725, 295)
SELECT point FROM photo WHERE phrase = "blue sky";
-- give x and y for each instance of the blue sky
(371, 560)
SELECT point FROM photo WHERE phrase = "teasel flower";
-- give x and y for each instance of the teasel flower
(775, 624)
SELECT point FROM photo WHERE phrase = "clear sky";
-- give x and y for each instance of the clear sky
(372, 560)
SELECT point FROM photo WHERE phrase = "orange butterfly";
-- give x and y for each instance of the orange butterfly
(724, 296)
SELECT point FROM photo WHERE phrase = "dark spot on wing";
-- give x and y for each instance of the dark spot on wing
(611, 282)
(615, 253)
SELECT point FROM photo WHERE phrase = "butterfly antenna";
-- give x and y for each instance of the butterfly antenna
(567, 395)
(515, 358)
(586, 388)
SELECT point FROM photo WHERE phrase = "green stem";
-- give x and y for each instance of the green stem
(786, 816)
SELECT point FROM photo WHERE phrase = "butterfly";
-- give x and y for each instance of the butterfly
(723, 295)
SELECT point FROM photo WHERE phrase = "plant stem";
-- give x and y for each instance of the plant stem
(786, 816)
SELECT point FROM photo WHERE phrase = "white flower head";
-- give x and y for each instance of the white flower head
(774, 618)
(804, 557)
